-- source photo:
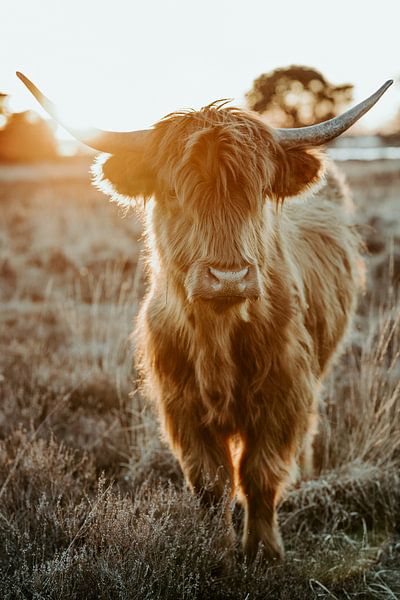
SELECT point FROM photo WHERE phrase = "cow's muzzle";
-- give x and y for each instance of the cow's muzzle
(224, 286)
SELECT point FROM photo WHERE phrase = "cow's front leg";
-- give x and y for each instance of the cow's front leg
(204, 456)
(271, 444)
(262, 475)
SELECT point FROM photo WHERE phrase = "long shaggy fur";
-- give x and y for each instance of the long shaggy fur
(248, 374)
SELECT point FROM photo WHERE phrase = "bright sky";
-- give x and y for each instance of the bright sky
(123, 64)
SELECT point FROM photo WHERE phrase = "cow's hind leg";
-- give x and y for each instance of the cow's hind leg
(306, 457)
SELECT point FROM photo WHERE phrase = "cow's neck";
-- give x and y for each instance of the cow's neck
(213, 359)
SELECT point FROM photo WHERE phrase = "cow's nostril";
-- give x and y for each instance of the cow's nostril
(229, 276)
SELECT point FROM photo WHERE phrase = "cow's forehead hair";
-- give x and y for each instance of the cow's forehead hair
(175, 127)
(222, 144)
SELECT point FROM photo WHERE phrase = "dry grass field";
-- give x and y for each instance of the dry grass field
(92, 505)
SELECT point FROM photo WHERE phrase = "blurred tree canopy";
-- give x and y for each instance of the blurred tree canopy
(24, 136)
(296, 96)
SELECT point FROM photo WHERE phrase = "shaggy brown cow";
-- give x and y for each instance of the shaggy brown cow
(249, 299)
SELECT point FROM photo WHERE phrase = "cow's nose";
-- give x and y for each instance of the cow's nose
(224, 285)
(229, 279)
(231, 283)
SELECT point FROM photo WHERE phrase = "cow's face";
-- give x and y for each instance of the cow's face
(215, 175)
(211, 173)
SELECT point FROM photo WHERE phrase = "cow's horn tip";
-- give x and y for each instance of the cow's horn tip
(23, 78)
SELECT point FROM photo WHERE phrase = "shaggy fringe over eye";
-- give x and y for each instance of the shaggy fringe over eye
(225, 143)
(220, 148)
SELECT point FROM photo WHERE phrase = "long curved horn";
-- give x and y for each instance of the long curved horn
(322, 133)
(113, 142)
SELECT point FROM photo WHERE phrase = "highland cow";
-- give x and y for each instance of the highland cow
(251, 292)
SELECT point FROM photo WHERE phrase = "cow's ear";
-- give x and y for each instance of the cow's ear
(298, 170)
(125, 177)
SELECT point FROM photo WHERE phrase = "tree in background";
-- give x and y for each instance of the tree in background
(296, 96)
(24, 136)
